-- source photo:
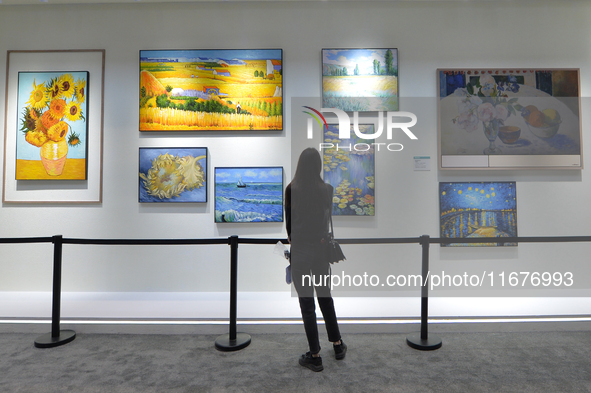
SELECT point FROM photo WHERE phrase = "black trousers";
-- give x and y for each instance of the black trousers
(311, 274)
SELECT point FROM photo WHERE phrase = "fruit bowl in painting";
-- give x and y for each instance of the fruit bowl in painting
(545, 131)
(509, 134)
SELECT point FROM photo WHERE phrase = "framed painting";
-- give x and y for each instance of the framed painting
(478, 209)
(52, 110)
(211, 89)
(362, 80)
(248, 194)
(509, 118)
(351, 171)
(173, 174)
(54, 126)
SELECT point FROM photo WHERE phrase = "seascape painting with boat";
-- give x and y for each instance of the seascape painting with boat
(248, 194)
(478, 209)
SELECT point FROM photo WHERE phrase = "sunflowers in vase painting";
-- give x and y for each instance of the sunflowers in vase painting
(53, 130)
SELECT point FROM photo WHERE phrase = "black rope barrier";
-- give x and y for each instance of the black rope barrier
(422, 341)
(245, 240)
(17, 240)
(57, 337)
(234, 341)
(134, 242)
(409, 240)
(520, 239)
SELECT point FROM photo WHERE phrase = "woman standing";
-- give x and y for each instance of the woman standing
(308, 206)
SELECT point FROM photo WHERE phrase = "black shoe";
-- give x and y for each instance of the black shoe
(313, 363)
(340, 350)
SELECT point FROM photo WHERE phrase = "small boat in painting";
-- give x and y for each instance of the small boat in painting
(240, 184)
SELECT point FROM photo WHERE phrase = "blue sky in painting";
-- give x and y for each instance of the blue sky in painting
(362, 57)
(485, 196)
(226, 54)
(249, 174)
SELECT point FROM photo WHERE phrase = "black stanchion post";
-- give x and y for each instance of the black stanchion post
(57, 337)
(421, 340)
(233, 341)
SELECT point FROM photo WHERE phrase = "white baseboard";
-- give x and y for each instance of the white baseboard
(266, 312)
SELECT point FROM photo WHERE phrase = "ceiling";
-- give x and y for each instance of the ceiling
(28, 2)
(45, 2)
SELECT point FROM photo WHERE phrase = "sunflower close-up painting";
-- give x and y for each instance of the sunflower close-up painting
(52, 129)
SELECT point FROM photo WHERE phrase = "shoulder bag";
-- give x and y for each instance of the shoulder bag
(333, 252)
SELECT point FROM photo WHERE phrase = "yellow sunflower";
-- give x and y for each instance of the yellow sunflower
(191, 171)
(39, 126)
(74, 139)
(54, 90)
(39, 97)
(163, 179)
(57, 107)
(30, 116)
(48, 120)
(66, 83)
(80, 90)
(73, 111)
(36, 138)
(58, 132)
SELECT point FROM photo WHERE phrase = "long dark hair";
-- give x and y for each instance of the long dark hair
(309, 191)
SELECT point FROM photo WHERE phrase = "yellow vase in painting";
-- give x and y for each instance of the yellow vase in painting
(53, 156)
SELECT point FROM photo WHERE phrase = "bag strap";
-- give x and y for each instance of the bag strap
(331, 232)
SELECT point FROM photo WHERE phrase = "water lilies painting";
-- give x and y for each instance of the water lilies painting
(478, 209)
(349, 166)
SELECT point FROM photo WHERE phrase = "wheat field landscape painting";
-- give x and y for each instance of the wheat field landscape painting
(192, 90)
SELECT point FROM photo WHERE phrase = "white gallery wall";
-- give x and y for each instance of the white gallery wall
(193, 281)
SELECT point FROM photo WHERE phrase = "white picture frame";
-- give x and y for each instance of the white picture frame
(55, 191)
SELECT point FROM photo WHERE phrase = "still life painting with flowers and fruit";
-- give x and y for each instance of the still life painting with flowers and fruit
(498, 112)
(52, 134)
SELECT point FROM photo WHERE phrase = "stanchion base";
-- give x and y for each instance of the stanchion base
(415, 341)
(47, 341)
(223, 342)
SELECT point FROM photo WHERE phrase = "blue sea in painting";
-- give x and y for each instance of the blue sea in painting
(256, 202)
